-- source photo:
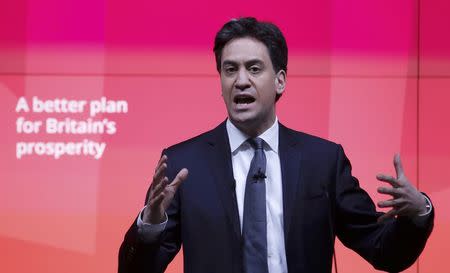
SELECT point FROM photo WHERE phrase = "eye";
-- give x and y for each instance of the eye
(254, 69)
(229, 69)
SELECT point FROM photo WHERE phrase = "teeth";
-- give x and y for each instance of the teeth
(244, 100)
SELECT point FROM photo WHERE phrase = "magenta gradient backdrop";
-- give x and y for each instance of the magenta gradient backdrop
(371, 75)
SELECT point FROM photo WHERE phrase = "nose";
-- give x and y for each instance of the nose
(242, 80)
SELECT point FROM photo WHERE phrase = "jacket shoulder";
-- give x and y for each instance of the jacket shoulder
(197, 142)
(308, 141)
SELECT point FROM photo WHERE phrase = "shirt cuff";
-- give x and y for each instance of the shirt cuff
(429, 207)
(421, 219)
(149, 233)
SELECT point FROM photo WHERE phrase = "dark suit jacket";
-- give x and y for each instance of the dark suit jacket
(321, 199)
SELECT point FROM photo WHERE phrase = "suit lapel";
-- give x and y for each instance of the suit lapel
(222, 170)
(290, 172)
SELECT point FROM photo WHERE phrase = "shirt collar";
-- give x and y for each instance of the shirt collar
(237, 137)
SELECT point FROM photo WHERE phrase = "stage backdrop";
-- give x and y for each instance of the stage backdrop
(92, 91)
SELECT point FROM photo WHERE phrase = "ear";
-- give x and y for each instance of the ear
(280, 81)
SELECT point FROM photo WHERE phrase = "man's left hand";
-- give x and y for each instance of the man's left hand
(406, 199)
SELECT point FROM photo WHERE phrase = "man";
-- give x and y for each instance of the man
(254, 196)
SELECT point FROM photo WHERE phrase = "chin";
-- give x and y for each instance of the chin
(242, 118)
(246, 123)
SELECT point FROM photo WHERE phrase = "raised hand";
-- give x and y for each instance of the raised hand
(406, 199)
(161, 192)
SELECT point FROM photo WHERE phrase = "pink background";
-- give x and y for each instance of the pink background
(371, 75)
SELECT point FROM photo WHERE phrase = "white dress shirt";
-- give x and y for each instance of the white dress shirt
(242, 154)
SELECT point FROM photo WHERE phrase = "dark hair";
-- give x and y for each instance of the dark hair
(265, 32)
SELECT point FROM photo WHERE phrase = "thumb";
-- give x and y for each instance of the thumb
(181, 176)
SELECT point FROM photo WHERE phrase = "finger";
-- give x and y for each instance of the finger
(398, 166)
(155, 202)
(395, 192)
(389, 179)
(159, 174)
(181, 176)
(162, 160)
(403, 211)
(161, 186)
(391, 203)
(388, 215)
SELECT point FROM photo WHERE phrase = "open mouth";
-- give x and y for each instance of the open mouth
(243, 99)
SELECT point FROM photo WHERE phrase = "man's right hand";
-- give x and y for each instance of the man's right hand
(161, 193)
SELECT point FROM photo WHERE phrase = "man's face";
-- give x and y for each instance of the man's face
(250, 85)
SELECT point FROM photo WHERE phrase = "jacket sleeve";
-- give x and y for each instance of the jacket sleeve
(138, 256)
(390, 246)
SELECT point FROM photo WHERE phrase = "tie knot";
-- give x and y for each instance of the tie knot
(257, 143)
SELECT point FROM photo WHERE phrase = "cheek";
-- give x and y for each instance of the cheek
(225, 92)
(226, 89)
(226, 96)
(267, 88)
(223, 85)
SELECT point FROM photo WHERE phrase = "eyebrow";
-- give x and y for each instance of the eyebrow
(247, 63)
